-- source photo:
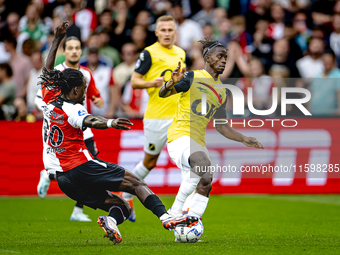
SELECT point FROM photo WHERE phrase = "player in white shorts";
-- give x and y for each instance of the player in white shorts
(153, 67)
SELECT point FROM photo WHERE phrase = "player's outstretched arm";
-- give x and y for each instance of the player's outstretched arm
(59, 34)
(227, 131)
(99, 122)
(168, 88)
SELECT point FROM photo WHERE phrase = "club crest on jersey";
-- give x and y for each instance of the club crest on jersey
(81, 112)
(138, 64)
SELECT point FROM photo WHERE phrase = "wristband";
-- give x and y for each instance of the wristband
(109, 123)
(166, 87)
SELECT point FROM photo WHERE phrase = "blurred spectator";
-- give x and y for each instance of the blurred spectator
(105, 19)
(122, 73)
(281, 57)
(236, 65)
(311, 64)
(94, 42)
(325, 88)
(84, 18)
(27, 47)
(260, 10)
(4, 55)
(34, 26)
(139, 37)
(334, 39)
(73, 29)
(224, 27)
(101, 40)
(289, 34)
(303, 33)
(144, 19)
(13, 27)
(123, 19)
(158, 7)
(134, 101)
(206, 15)
(187, 29)
(276, 28)
(21, 66)
(262, 45)
(322, 11)
(208, 31)
(293, 5)
(3, 12)
(102, 76)
(260, 83)
(7, 92)
(238, 31)
(32, 86)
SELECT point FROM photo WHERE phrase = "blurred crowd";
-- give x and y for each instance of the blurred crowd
(272, 43)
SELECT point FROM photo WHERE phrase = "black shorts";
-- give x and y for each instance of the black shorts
(89, 183)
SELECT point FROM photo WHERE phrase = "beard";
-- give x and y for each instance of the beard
(74, 62)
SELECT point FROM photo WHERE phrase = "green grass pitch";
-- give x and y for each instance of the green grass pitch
(251, 224)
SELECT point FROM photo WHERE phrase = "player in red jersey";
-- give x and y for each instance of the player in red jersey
(81, 176)
(72, 52)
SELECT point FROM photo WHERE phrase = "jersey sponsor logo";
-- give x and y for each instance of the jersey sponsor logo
(54, 150)
(81, 112)
(152, 147)
(138, 64)
(167, 74)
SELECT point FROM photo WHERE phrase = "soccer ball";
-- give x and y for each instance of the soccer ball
(190, 234)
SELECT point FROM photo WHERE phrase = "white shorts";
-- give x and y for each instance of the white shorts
(155, 132)
(181, 149)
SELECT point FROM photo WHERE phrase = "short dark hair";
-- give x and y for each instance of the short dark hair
(329, 51)
(70, 3)
(69, 39)
(11, 40)
(7, 68)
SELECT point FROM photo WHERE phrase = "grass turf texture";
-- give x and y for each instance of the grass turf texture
(254, 224)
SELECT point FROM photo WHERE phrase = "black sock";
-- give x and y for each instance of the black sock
(119, 212)
(154, 204)
(80, 205)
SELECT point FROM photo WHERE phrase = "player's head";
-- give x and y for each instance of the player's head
(166, 31)
(72, 49)
(71, 83)
(214, 54)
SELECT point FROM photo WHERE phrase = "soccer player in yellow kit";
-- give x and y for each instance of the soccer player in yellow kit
(154, 66)
(186, 135)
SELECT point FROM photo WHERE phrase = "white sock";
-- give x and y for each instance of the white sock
(77, 209)
(164, 216)
(113, 219)
(141, 172)
(199, 203)
(188, 185)
(46, 175)
(188, 201)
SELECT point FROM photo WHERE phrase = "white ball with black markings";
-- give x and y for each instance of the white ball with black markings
(190, 234)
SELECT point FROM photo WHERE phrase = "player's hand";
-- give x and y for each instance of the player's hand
(177, 74)
(98, 101)
(60, 30)
(158, 82)
(120, 122)
(252, 142)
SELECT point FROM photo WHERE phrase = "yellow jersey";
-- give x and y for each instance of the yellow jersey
(189, 119)
(156, 61)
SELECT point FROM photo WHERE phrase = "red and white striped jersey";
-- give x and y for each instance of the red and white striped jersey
(64, 146)
(91, 91)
